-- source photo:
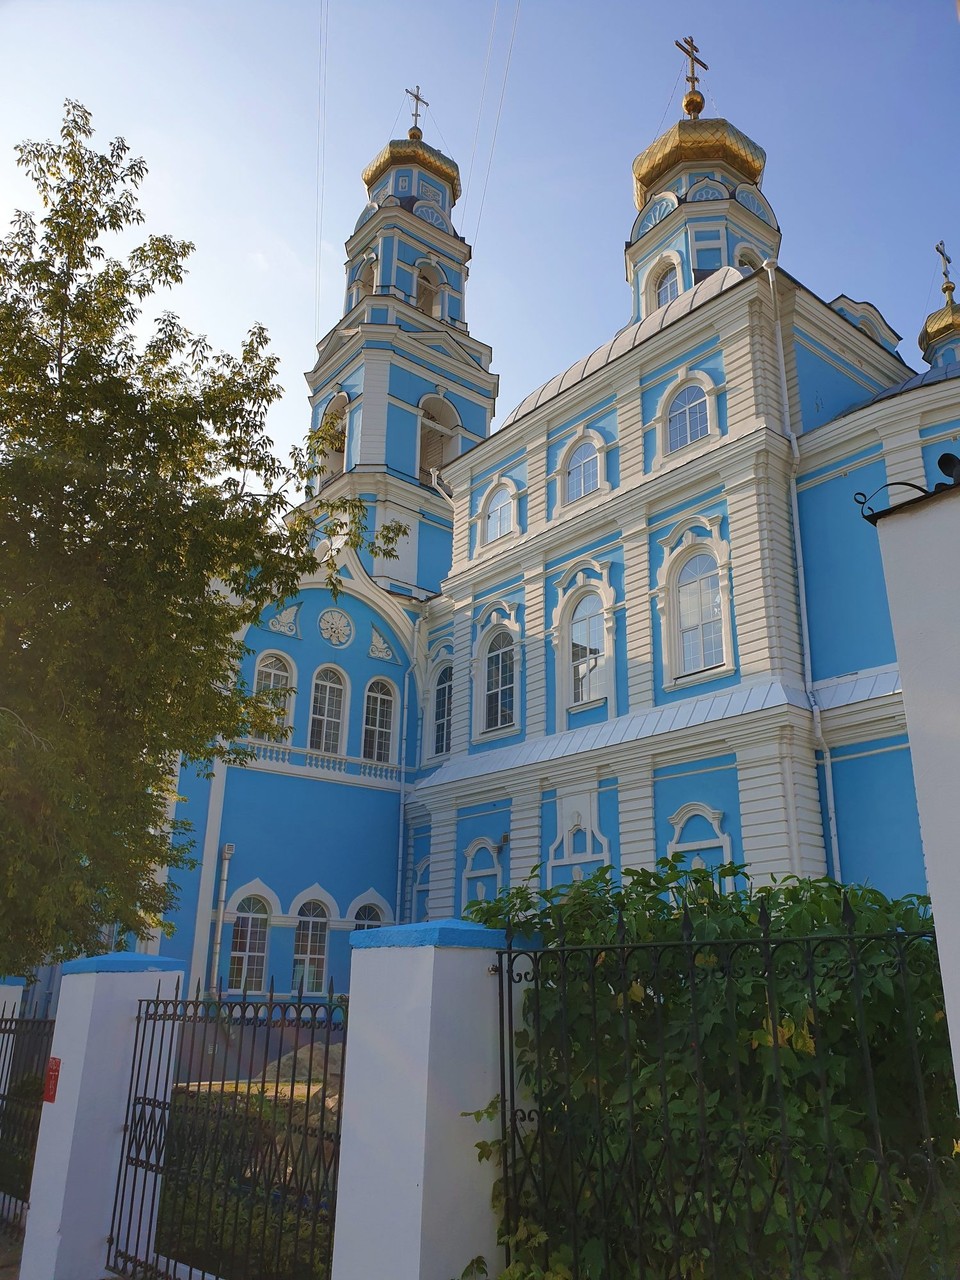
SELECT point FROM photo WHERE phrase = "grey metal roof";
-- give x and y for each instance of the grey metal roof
(927, 379)
(627, 339)
(706, 709)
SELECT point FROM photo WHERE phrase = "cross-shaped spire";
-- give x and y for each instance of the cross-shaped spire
(693, 98)
(418, 102)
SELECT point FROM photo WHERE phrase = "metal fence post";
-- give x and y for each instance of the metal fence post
(81, 1131)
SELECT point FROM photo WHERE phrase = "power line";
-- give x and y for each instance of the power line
(323, 37)
(669, 101)
(496, 126)
(483, 94)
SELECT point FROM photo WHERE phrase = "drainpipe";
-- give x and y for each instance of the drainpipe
(226, 853)
(770, 266)
(401, 850)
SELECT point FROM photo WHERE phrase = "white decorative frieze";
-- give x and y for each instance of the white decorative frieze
(336, 627)
(284, 622)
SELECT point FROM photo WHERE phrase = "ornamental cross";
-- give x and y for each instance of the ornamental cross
(690, 49)
(942, 250)
(418, 102)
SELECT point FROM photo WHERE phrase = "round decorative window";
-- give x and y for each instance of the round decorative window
(336, 627)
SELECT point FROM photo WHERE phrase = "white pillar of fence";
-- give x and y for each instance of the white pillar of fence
(413, 1202)
(81, 1133)
(11, 993)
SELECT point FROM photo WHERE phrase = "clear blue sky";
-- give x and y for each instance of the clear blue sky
(851, 99)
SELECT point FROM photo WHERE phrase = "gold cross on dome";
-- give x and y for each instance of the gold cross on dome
(690, 49)
(942, 250)
(418, 101)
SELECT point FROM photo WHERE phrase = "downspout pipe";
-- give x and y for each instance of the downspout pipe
(226, 853)
(770, 266)
(401, 844)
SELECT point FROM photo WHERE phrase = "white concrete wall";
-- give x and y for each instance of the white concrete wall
(81, 1133)
(413, 1201)
(919, 545)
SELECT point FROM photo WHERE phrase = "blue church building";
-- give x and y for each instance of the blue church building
(643, 617)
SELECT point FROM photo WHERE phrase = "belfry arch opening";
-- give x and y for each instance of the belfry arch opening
(439, 436)
(429, 281)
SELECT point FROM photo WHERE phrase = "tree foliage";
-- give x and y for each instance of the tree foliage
(711, 1083)
(145, 521)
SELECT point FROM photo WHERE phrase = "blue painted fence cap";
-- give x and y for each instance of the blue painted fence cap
(124, 962)
(432, 933)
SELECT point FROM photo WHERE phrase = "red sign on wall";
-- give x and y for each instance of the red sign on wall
(50, 1082)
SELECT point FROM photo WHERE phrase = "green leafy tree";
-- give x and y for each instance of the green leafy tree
(145, 521)
(725, 1081)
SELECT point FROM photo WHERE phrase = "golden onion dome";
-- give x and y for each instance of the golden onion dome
(696, 141)
(941, 324)
(413, 150)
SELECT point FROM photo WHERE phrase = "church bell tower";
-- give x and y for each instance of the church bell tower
(412, 388)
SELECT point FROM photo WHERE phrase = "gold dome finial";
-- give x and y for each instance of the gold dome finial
(944, 323)
(693, 100)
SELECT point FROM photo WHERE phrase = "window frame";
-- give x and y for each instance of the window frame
(653, 275)
(583, 579)
(241, 913)
(279, 656)
(344, 710)
(684, 380)
(483, 546)
(562, 473)
(302, 918)
(391, 730)
(360, 924)
(499, 617)
(697, 535)
(435, 720)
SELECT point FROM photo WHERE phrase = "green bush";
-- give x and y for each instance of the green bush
(727, 1080)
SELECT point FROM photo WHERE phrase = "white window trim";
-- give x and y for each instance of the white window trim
(394, 719)
(587, 577)
(685, 378)
(668, 258)
(497, 616)
(314, 894)
(437, 667)
(253, 889)
(681, 544)
(291, 688)
(369, 899)
(701, 184)
(344, 717)
(483, 547)
(486, 845)
(744, 247)
(423, 866)
(587, 436)
(721, 840)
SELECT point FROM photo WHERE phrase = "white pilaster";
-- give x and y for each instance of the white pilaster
(413, 1202)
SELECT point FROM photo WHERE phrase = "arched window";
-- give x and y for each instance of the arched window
(443, 711)
(366, 278)
(499, 682)
(668, 286)
(273, 672)
(499, 517)
(378, 722)
(687, 418)
(586, 649)
(367, 917)
(583, 471)
(748, 260)
(310, 948)
(428, 291)
(700, 614)
(248, 946)
(326, 715)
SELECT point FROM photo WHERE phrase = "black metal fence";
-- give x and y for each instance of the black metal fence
(771, 1107)
(232, 1140)
(24, 1053)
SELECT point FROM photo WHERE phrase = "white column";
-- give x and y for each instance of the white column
(81, 1133)
(11, 993)
(413, 1201)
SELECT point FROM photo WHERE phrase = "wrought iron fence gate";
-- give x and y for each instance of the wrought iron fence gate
(232, 1140)
(24, 1052)
(774, 1106)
